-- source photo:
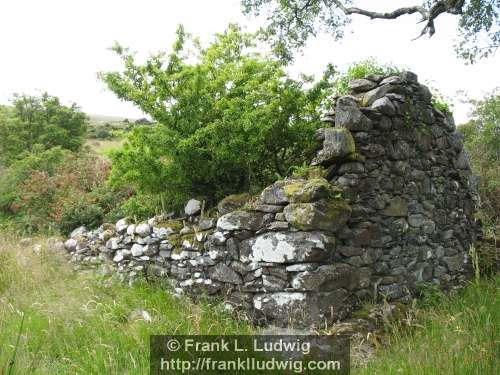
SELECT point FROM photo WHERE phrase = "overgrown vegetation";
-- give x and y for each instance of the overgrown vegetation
(482, 141)
(71, 323)
(57, 190)
(39, 122)
(455, 334)
(229, 120)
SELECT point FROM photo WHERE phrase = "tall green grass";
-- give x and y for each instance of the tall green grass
(68, 323)
(55, 321)
(452, 335)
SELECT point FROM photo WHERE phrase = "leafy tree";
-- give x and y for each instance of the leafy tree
(35, 121)
(228, 119)
(292, 22)
(482, 140)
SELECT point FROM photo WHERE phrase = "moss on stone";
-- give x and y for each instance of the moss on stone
(329, 215)
(175, 225)
(304, 191)
(316, 172)
(233, 202)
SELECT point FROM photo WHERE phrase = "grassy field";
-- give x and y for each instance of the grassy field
(455, 335)
(53, 321)
(103, 147)
(56, 321)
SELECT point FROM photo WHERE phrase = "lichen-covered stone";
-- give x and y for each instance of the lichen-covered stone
(369, 97)
(282, 307)
(71, 244)
(289, 247)
(304, 191)
(137, 250)
(121, 225)
(454, 263)
(328, 215)
(337, 145)
(275, 194)
(80, 231)
(241, 220)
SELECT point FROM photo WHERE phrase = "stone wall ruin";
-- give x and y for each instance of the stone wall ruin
(387, 204)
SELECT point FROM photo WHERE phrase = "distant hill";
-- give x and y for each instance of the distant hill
(104, 118)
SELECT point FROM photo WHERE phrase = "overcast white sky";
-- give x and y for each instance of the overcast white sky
(59, 45)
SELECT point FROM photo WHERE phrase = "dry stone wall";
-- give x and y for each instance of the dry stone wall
(388, 204)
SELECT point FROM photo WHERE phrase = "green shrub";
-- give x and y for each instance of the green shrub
(77, 213)
(138, 206)
(103, 133)
(482, 141)
(57, 189)
(228, 120)
(39, 121)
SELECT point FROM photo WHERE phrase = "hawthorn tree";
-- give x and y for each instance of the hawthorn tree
(292, 22)
(39, 121)
(228, 119)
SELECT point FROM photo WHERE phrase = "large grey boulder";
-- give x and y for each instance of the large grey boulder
(288, 247)
(338, 144)
(348, 115)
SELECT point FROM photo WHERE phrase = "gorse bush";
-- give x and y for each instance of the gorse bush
(228, 119)
(39, 122)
